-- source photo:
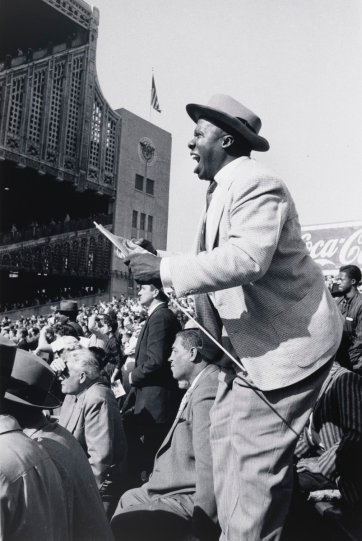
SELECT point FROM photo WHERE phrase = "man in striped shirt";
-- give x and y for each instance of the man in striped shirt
(330, 447)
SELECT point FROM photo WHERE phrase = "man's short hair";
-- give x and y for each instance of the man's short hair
(63, 329)
(100, 355)
(240, 147)
(84, 360)
(161, 296)
(352, 271)
(191, 338)
(23, 332)
(111, 321)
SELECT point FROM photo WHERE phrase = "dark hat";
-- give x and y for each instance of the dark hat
(30, 382)
(7, 356)
(68, 306)
(232, 116)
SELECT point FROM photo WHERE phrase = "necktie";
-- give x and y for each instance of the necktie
(209, 193)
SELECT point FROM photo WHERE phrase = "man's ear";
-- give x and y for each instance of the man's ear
(227, 141)
(82, 377)
(155, 292)
(193, 354)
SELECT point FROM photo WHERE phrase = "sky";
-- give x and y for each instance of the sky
(295, 63)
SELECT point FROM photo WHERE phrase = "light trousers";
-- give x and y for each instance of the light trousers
(252, 451)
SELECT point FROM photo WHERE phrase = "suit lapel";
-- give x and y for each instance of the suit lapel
(174, 424)
(75, 413)
(219, 205)
(140, 338)
(210, 368)
(197, 241)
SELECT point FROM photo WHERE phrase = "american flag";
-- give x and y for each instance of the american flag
(154, 98)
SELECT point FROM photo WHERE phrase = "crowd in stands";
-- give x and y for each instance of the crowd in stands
(328, 457)
(53, 227)
(127, 311)
(46, 296)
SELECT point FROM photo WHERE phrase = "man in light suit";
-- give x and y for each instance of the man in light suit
(181, 484)
(255, 285)
(90, 412)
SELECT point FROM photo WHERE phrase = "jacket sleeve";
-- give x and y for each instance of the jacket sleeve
(205, 515)
(99, 436)
(158, 349)
(255, 220)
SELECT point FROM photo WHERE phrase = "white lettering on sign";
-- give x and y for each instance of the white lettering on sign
(351, 251)
(336, 251)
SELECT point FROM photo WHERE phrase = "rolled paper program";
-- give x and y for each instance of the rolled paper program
(124, 246)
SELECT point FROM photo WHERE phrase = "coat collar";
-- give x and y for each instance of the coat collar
(224, 178)
(73, 408)
(210, 368)
(140, 337)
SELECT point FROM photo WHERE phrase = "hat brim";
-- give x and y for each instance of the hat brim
(227, 122)
(50, 401)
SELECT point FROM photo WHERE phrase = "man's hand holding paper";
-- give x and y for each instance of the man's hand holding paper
(145, 268)
(146, 245)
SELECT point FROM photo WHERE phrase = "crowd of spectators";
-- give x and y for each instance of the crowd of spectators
(127, 312)
(48, 295)
(328, 455)
(36, 230)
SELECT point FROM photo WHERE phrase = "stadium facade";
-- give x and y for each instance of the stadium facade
(67, 159)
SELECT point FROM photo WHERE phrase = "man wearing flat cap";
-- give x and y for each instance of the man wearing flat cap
(258, 290)
(179, 496)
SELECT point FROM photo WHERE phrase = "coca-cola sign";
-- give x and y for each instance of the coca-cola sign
(334, 245)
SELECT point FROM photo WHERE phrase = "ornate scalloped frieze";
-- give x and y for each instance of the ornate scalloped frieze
(77, 10)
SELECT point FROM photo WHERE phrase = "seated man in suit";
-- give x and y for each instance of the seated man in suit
(179, 496)
(90, 412)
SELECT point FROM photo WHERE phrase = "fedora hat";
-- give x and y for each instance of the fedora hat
(68, 306)
(7, 356)
(231, 116)
(30, 382)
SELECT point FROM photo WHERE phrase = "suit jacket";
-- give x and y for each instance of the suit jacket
(87, 519)
(95, 421)
(33, 502)
(157, 393)
(269, 294)
(183, 464)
